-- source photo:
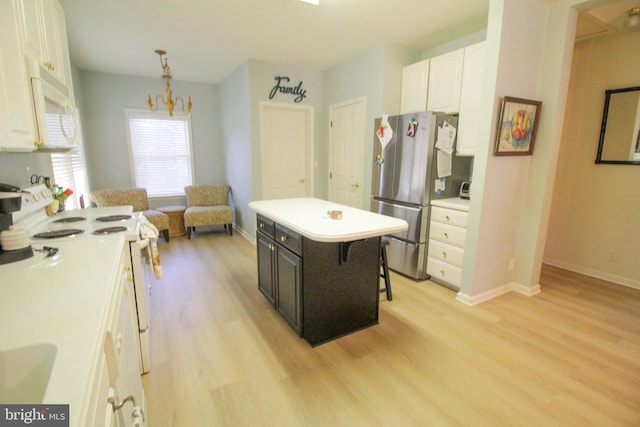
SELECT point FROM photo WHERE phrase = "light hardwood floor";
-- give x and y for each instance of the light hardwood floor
(222, 356)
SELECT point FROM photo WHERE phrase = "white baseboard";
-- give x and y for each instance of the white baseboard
(246, 235)
(525, 290)
(496, 292)
(534, 290)
(624, 281)
(486, 296)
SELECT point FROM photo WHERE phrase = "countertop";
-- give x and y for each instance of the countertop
(452, 203)
(308, 216)
(66, 301)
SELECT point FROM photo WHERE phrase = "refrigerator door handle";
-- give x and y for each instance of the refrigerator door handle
(402, 242)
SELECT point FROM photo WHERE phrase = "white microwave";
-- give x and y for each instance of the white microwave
(55, 114)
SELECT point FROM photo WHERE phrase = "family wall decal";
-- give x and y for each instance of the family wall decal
(280, 87)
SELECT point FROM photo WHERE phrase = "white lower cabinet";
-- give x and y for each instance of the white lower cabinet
(118, 375)
(447, 234)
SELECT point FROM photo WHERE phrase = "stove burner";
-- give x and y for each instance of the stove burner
(109, 230)
(70, 219)
(110, 218)
(58, 233)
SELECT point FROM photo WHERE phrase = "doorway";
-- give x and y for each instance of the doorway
(346, 152)
(286, 144)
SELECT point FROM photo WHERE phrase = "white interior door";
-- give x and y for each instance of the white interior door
(346, 152)
(285, 144)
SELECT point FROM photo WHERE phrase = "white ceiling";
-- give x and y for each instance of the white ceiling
(603, 18)
(206, 40)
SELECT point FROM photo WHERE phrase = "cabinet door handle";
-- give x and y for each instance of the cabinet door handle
(301, 180)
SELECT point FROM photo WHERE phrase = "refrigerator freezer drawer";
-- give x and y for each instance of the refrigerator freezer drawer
(408, 258)
(449, 216)
(448, 233)
(415, 216)
(444, 273)
(446, 253)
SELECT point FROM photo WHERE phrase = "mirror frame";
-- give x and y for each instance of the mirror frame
(603, 128)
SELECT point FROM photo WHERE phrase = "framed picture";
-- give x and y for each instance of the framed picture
(517, 126)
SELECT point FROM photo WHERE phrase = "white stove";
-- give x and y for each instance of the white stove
(72, 224)
(82, 227)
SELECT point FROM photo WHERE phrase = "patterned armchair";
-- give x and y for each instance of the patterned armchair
(136, 197)
(207, 205)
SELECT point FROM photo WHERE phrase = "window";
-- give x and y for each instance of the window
(70, 171)
(160, 148)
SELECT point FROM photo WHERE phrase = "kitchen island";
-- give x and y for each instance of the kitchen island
(321, 274)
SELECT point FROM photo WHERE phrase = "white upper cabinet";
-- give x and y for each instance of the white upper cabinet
(415, 85)
(45, 37)
(17, 126)
(470, 94)
(445, 82)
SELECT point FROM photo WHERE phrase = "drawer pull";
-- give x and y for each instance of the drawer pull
(283, 238)
(444, 254)
(261, 225)
(447, 217)
(446, 235)
(442, 272)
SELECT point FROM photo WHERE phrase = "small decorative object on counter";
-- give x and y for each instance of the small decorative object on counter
(335, 214)
(60, 196)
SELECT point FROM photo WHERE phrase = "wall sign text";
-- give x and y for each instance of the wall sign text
(281, 87)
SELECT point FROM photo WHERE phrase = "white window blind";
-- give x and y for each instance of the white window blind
(70, 171)
(160, 147)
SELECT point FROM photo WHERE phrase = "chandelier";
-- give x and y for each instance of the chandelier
(168, 99)
(632, 22)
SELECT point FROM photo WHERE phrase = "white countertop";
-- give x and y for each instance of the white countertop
(64, 300)
(308, 216)
(452, 203)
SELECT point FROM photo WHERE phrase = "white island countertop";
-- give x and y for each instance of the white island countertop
(309, 217)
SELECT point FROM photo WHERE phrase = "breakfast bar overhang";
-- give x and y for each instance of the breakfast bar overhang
(321, 274)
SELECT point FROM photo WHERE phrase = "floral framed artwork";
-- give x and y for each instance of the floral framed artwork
(517, 126)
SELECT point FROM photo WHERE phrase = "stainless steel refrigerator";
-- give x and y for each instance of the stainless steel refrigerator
(404, 179)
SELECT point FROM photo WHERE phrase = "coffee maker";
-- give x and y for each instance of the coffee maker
(11, 201)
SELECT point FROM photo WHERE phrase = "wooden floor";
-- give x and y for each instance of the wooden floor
(222, 356)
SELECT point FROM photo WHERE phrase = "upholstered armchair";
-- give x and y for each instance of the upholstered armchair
(136, 197)
(207, 205)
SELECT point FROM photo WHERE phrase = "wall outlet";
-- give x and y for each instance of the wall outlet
(612, 256)
(512, 264)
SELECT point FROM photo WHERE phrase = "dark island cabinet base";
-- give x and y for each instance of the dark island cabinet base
(323, 290)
